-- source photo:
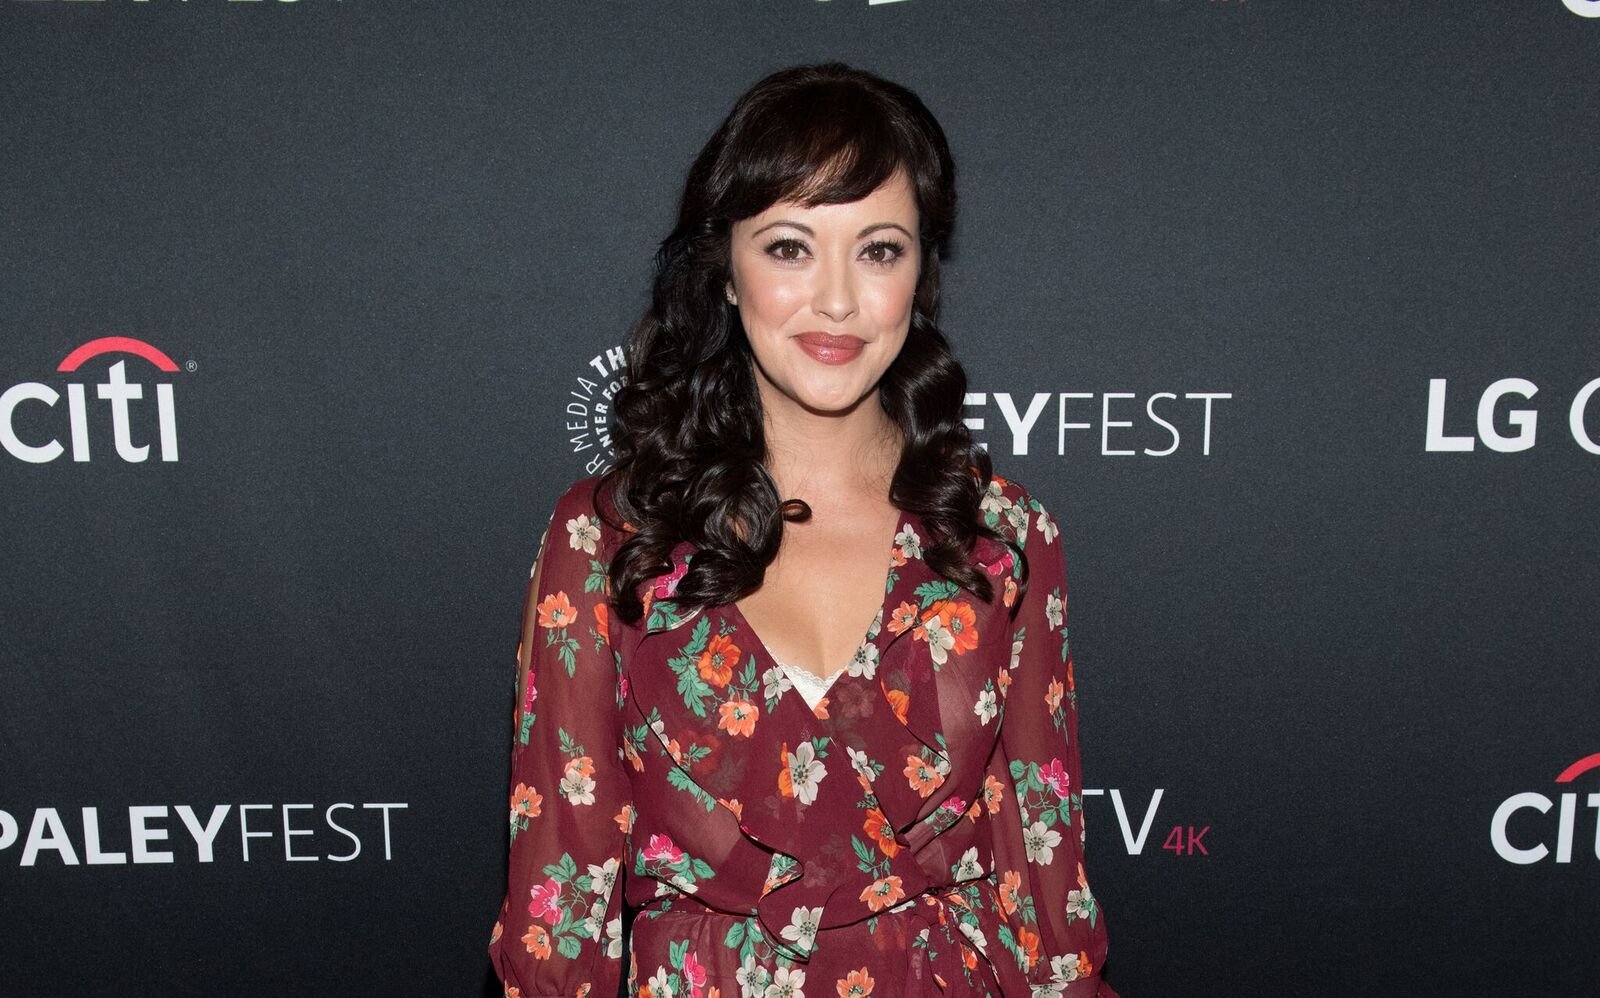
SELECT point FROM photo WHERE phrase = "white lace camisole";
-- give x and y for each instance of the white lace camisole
(812, 688)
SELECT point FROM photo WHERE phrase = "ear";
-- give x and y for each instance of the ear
(727, 290)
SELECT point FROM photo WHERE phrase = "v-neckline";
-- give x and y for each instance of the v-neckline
(903, 519)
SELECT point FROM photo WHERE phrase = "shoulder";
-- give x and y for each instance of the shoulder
(1010, 509)
(576, 521)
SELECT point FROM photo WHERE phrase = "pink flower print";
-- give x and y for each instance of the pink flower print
(955, 805)
(695, 975)
(667, 585)
(662, 850)
(546, 902)
(1056, 777)
(1000, 565)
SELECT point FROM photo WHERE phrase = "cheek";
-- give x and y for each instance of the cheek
(769, 298)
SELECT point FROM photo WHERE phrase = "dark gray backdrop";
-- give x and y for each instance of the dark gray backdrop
(380, 243)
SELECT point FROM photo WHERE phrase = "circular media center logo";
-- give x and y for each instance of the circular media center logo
(586, 420)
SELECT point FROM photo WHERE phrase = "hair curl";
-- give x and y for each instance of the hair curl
(687, 426)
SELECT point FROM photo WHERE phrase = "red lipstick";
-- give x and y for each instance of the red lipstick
(829, 349)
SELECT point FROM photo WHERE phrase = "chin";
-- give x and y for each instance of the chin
(830, 401)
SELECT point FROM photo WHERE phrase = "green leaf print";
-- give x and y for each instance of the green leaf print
(933, 592)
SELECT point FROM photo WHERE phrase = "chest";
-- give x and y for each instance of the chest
(825, 588)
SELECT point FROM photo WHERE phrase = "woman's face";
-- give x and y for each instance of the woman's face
(825, 294)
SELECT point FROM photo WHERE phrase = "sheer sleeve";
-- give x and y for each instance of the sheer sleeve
(1060, 936)
(560, 927)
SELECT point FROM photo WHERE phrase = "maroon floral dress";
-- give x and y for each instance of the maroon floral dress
(920, 832)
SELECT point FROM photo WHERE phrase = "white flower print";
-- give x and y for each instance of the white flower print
(583, 533)
(986, 708)
(614, 938)
(1018, 518)
(940, 640)
(1016, 654)
(865, 661)
(1046, 526)
(788, 982)
(753, 979)
(861, 763)
(1045, 991)
(601, 878)
(1054, 609)
(1063, 969)
(975, 936)
(805, 772)
(802, 929)
(577, 788)
(1040, 843)
(661, 983)
(775, 684)
(908, 542)
(967, 867)
(1080, 904)
(994, 501)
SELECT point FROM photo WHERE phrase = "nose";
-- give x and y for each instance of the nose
(835, 293)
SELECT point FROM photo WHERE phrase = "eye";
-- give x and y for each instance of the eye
(883, 252)
(786, 249)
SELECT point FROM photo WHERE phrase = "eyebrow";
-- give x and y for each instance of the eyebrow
(864, 233)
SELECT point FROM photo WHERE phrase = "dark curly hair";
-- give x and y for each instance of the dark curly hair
(687, 427)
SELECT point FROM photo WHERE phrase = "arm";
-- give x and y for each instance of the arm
(1060, 941)
(559, 931)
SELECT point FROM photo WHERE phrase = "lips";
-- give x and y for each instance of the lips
(830, 349)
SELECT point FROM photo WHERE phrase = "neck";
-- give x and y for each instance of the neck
(822, 457)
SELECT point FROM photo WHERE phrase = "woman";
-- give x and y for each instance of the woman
(795, 686)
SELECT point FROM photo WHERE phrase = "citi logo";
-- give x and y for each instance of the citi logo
(43, 446)
(1537, 832)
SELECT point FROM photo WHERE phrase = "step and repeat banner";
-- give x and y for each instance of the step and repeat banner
(1289, 310)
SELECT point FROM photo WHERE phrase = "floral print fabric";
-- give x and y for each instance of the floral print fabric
(919, 832)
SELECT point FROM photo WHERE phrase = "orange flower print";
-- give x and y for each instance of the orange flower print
(494, 936)
(1028, 942)
(785, 782)
(974, 811)
(1010, 595)
(877, 828)
(1085, 967)
(903, 618)
(580, 767)
(821, 709)
(602, 621)
(961, 621)
(526, 801)
(994, 793)
(1052, 697)
(1010, 885)
(624, 818)
(883, 892)
(1002, 680)
(556, 610)
(512, 991)
(717, 661)
(734, 806)
(632, 755)
(924, 779)
(538, 942)
(856, 984)
(1071, 685)
(737, 717)
(897, 557)
(900, 703)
